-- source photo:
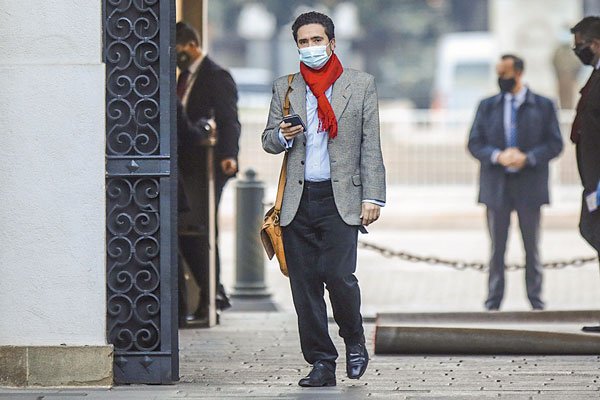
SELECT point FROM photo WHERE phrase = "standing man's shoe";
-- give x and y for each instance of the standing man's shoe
(592, 329)
(319, 376)
(357, 360)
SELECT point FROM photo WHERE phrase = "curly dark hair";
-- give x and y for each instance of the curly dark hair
(313, 17)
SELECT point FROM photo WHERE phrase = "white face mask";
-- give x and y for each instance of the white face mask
(314, 57)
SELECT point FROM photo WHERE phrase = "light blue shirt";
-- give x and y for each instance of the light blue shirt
(317, 156)
(317, 168)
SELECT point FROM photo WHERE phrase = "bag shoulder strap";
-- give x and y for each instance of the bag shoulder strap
(283, 173)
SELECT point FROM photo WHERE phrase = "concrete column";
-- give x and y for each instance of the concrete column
(52, 241)
(532, 29)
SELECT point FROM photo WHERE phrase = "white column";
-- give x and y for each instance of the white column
(52, 213)
(532, 29)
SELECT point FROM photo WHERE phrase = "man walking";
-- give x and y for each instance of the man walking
(335, 184)
(585, 133)
(514, 136)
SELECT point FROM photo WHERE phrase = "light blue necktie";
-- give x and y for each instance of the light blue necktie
(512, 139)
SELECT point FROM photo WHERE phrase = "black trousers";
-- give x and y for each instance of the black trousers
(320, 252)
(498, 220)
(194, 248)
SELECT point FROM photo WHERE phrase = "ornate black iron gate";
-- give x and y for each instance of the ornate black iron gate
(141, 186)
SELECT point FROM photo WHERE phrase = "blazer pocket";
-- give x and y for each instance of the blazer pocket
(356, 180)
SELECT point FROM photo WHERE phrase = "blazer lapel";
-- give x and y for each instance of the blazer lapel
(340, 95)
(298, 97)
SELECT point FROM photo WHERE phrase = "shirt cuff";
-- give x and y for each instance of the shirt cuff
(377, 202)
(531, 159)
(495, 155)
(284, 142)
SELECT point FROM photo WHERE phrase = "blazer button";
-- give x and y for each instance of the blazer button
(300, 182)
(302, 162)
(303, 143)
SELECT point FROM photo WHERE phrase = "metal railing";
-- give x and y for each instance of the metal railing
(420, 147)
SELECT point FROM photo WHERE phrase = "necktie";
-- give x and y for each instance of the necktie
(512, 139)
(576, 127)
(182, 84)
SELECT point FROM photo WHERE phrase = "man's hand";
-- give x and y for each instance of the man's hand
(369, 213)
(519, 160)
(229, 166)
(512, 158)
(288, 131)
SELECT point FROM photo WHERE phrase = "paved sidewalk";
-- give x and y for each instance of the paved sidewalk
(256, 356)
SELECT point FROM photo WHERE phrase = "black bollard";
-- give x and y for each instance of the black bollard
(250, 289)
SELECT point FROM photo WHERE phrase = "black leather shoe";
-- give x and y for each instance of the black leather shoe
(222, 302)
(591, 329)
(357, 360)
(221, 299)
(319, 376)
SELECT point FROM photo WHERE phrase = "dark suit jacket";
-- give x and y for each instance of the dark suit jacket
(214, 95)
(588, 160)
(538, 135)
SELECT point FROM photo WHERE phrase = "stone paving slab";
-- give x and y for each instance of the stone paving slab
(257, 356)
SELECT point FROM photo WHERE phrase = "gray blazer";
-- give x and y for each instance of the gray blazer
(357, 170)
(538, 136)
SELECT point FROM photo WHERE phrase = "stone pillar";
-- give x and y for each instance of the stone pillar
(52, 241)
(532, 29)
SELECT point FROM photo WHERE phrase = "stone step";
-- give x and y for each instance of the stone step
(524, 332)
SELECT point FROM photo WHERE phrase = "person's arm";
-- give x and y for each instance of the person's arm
(477, 144)
(372, 170)
(271, 141)
(226, 115)
(551, 144)
(188, 133)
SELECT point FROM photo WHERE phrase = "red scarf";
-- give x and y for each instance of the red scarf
(319, 80)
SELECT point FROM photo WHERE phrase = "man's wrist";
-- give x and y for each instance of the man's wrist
(284, 142)
(495, 156)
(376, 202)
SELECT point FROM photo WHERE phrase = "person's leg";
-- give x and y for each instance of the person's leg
(193, 247)
(338, 243)
(193, 234)
(222, 300)
(592, 328)
(301, 243)
(529, 223)
(498, 220)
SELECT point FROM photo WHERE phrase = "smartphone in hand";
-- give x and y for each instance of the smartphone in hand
(295, 120)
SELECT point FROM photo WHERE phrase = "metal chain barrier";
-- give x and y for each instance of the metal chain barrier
(462, 265)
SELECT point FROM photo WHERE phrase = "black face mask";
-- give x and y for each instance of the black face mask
(183, 60)
(585, 55)
(506, 85)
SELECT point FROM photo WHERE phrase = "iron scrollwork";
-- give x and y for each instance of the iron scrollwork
(133, 278)
(132, 83)
(140, 223)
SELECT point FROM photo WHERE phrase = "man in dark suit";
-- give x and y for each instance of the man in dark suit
(206, 92)
(514, 136)
(585, 133)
